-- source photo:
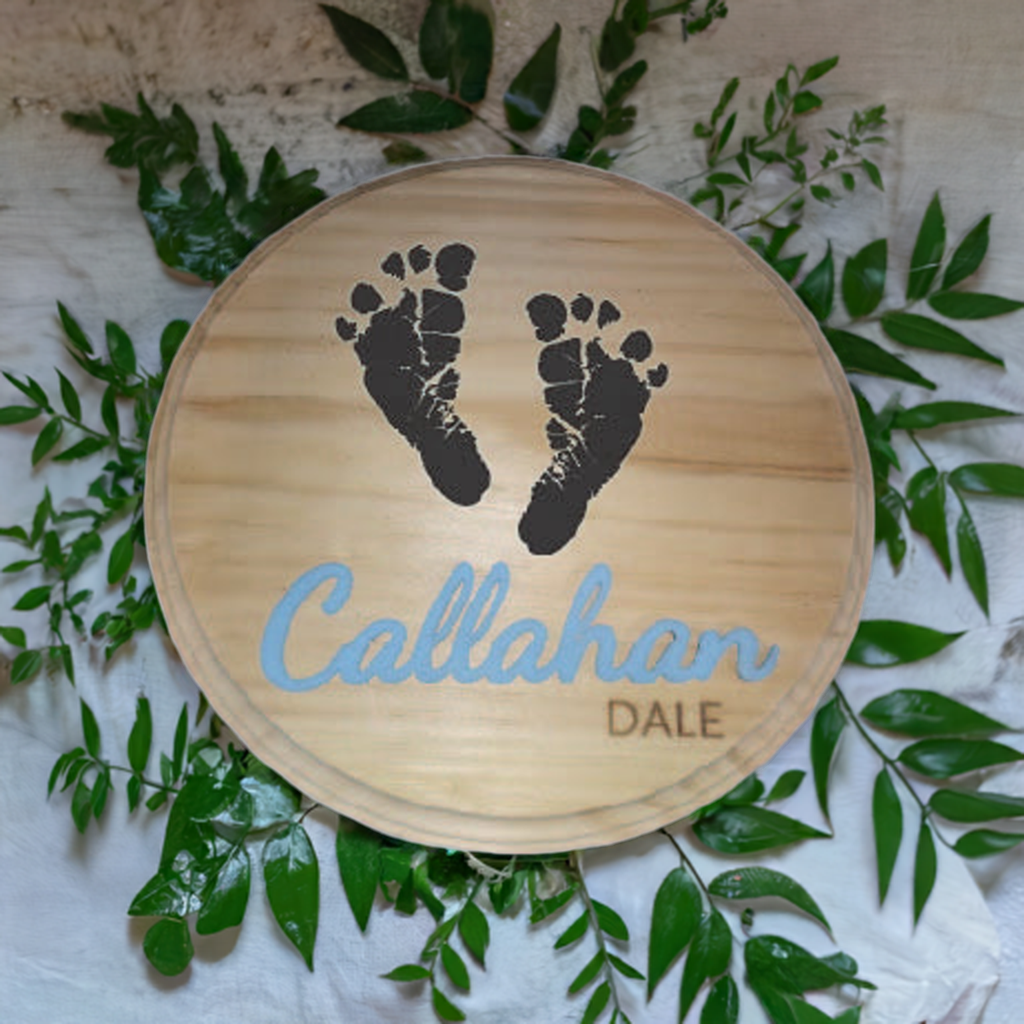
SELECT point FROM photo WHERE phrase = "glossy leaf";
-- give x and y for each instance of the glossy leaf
(969, 808)
(996, 478)
(925, 869)
(674, 919)
(864, 279)
(225, 903)
(928, 251)
(457, 43)
(882, 643)
(789, 969)
(984, 842)
(528, 98)
(32, 599)
(75, 335)
(474, 930)
(817, 290)
(292, 875)
(758, 882)
(937, 414)
(828, 726)
(29, 388)
(108, 411)
(574, 932)
(926, 496)
(610, 922)
(598, 1001)
(170, 341)
(920, 713)
(972, 305)
(858, 355)
(942, 759)
(708, 957)
(785, 785)
(90, 730)
(168, 946)
(13, 414)
(48, 437)
(367, 45)
(419, 111)
(722, 1005)
(887, 816)
(750, 829)
(25, 666)
(279, 197)
(888, 507)
(69, 396)
(921, 332)
(358, 852)
(972, 559)
(274, 799)
(121, 349)
(443, 1007)
(968, 255)
(121, 556)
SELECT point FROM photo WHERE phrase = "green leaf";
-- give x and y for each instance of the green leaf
(674, 919)
(785, 785)
(920, 713)
(758, 882)
(864, 279)
(984, 842)
(292, 875)
(25, 666)
(133, 789)
(543, 909)
(122, 351)
(236, 181)
(443, 1007)
(776, 964)
(872, 171)
(928, 251)
(457, 42)
(408, 972)
(82, 450)
(81, 806)
(969, 254)
(881, 643)
(942, 759)
(722, 1005)
(15, 533)
(475, 931)
(69, 396)
(279, 197)
(74, 332)
(141, 737)
(609, 922)
(90, 730)
(224, 905)
(529, 96)
(32, 599)
(973, 807)
(598, 1001)
(626, 970)
(274, 799)
(13, 414)
(819, 70)
(588, 974)
(13, 635)
(972, 305)
(936, 414)
(925, 868)
(750, 829)
(805, 101)
(817, 290)
(108, 411)
(400, 153)
(48, 437)
(998, 478)
(170, 341)
(625, 82)
(418, 111)
(358, 852)
(708, 957)
(828, 726)
(887, 815)
(30, 389)
(180, 742)
(367, 45)
(916, 331)
(926, 494)
(168, 946)
(455, 967)
(121, 556)
(574, 932)
(617, 44)
(858, 355)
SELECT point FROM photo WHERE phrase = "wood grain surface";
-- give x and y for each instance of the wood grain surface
(744, 503)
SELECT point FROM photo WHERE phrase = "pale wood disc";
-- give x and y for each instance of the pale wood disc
(744, 502)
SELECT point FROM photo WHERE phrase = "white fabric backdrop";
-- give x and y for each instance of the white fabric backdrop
(270, 72)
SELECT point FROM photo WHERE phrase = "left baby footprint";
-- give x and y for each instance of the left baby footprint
(408, 351)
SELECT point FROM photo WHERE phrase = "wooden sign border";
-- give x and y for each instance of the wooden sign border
(441, 826)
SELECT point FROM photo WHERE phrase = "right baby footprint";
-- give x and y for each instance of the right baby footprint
(596, 401)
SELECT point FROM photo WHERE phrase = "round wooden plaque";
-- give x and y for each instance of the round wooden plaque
(510, 505)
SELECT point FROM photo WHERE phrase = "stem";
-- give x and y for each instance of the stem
(765, 217)
(917, 445)
(145, 781)
(687, 863)
(892, 765)
(606, 966)
(87, 430)
(308, 810)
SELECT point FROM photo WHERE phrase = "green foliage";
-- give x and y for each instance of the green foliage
(529, 96)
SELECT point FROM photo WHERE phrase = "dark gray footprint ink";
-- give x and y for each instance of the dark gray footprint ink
(596, 401)
(408, 350)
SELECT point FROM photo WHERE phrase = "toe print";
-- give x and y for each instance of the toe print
(408, 351)
(596, 400)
